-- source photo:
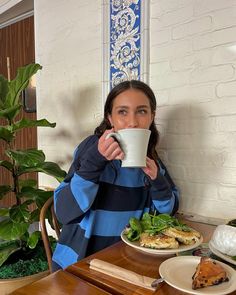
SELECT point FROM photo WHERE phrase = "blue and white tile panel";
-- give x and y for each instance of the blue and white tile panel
(125, 41)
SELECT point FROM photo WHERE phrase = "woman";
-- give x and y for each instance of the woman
(97, 198)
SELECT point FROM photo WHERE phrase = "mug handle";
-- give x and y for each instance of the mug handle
(113, 134)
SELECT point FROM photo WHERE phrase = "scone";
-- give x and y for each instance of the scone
(208, 273)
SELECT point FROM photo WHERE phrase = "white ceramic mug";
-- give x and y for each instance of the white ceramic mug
(134, 143)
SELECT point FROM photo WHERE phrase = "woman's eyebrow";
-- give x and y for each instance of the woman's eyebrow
(143, 106)
(123, 107)
(127, 107)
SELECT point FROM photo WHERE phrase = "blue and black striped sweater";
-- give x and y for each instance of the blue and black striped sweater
(97, 198)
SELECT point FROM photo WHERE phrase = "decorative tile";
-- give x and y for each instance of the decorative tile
(125, 42)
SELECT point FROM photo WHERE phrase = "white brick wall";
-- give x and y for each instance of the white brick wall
(192, 71)
(215, 38)
(193, 27)
(69, 47)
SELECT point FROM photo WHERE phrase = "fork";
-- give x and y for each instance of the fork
(156, 283)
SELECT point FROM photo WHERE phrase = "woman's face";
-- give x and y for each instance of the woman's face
(131, 109)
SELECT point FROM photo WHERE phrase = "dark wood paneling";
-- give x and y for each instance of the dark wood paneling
(17, 42)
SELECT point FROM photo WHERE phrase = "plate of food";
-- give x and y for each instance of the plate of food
(198, 275)
(160, 235)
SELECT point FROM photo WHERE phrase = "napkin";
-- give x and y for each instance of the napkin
(121, 273)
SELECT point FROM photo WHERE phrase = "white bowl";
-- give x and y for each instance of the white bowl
(224, 239)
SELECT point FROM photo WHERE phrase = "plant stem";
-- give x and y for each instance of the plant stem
(16, 188)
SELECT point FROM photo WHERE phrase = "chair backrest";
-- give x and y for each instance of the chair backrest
(48, 207)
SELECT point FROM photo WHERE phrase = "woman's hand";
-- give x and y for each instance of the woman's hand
(109, 148)
(151, 170)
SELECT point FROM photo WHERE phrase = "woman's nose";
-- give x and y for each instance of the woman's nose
(132, 122)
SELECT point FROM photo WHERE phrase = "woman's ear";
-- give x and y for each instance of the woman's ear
(110, 119)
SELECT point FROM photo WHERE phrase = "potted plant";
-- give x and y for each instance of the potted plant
(16, 238)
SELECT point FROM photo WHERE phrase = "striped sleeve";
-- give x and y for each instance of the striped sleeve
(76, 194)
(164, 193)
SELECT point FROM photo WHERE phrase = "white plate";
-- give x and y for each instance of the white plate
(220, 254)
(160, 252)
(178, 272)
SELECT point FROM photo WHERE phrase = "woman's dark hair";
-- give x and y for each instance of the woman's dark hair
(118, 89)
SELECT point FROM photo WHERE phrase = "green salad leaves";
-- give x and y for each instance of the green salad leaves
(152, 224)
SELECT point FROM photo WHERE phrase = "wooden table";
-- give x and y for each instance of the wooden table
(60, 283)
(125, 256)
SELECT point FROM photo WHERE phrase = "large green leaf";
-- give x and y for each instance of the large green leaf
(35, 216)
(20, 213)
(10, 230)
(4, 189)
(53, 169)
(10, 112)
(27, 182)
(5, 134)
(42, 198)
(38, 195)
(3, 90)
(49, 168)
(31, 123)
(27, 158)
(6, 164)
(33, 239)
(6, 249)
(20, 82)
(4, 212)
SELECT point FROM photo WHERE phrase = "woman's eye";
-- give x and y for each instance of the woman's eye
(122, 112)
(142, 111)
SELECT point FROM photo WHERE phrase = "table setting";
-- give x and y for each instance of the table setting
(124, 268)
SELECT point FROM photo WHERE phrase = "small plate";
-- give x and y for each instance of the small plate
(178, 272)
(220, 254)
(160, 252)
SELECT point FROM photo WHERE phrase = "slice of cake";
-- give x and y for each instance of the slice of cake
(208, 273)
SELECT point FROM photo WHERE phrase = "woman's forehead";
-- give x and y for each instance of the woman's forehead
(131, 97)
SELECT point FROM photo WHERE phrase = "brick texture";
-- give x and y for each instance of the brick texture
(192, 71)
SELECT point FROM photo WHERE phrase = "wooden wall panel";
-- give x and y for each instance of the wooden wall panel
(17, 42)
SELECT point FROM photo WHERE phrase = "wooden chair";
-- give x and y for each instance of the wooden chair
(48, 207)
